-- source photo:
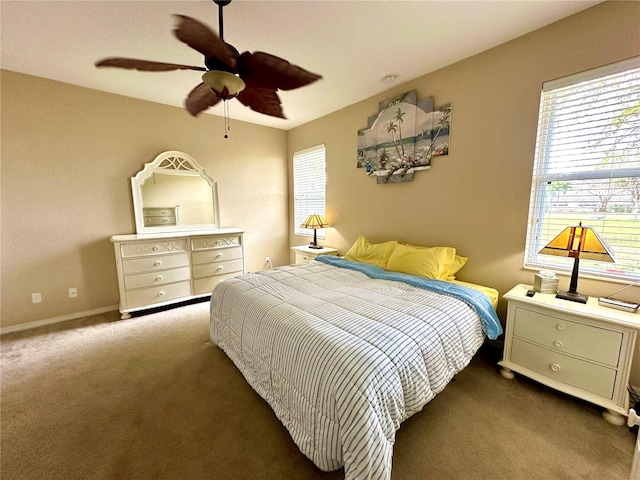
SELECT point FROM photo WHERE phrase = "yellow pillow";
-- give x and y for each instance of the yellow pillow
(428, 262)
(457, 264)
(372, 253)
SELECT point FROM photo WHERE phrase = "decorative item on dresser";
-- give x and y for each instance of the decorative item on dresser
(584, 350)
(161, 269)
(305, 253)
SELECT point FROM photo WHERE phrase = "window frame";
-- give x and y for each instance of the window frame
(542, 198)
(309, 172)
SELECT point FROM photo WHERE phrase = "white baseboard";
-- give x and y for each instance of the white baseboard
(62, 318)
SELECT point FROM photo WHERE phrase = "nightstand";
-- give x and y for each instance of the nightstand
(304, 253)
(584, 350)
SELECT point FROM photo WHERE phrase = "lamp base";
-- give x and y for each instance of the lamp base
(315, 246)
(574, 297)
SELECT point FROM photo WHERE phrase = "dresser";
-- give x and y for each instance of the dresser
(304, 253)
(584, 350)
(165, 268)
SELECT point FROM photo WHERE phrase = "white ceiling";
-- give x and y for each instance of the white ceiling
(352, 44)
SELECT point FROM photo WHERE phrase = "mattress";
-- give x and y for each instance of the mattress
(344, 352)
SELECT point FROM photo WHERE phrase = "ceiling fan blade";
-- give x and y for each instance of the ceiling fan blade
(144, 65)
(262, 100)
(199, 99)
(201, 38)
(269, 71)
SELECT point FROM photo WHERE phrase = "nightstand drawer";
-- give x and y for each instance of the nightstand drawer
(587, 376)
(303, 257)
(303, 253)
(565, 336)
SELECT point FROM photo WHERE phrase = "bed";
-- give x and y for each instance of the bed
(344, 351)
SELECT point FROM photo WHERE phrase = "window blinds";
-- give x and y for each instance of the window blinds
(309, 180)
(587, 167)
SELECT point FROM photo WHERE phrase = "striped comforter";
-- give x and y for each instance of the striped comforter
(344, 358)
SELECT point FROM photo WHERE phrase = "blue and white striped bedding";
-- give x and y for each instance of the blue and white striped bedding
(343, 358)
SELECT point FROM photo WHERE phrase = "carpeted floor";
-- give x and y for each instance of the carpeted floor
(152, 398)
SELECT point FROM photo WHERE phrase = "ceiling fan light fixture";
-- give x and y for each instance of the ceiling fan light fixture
(225, 85)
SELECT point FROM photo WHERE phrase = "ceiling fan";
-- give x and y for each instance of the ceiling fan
(252, 78)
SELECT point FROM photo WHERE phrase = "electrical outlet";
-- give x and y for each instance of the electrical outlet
(36, 297)
(73, 292)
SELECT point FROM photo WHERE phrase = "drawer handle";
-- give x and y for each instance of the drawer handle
(561, 327)
(155, 248)
(558, 344)
(158, 278)
(161, 294)
(157, 263)
(220, 269)
(555, 367)
(219, 255)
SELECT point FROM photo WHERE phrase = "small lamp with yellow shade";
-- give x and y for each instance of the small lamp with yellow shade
(578, 242)
(315, 222)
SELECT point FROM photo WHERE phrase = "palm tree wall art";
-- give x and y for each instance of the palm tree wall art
(403, 137)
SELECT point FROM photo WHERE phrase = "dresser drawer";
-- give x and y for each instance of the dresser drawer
(165, 220)
(565, 336)
(161, 293)
(150, 264)
(217, 255)
(218, 268)
(206, 285)
(216, 241)
(142, 280)
(587, 376)
(138, 249)
(159, 212)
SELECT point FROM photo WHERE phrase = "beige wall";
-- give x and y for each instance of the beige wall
(67, 157)
(476, 199)
(67, 154)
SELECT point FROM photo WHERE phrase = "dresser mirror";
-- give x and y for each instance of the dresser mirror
(174, 193)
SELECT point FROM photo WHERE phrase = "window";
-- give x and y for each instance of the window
(587, 167)
(309, 180)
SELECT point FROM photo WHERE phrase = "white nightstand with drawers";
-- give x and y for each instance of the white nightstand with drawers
(304, 253)
(584, 350)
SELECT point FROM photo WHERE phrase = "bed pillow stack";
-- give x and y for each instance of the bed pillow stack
(439, 263)
(372, 253)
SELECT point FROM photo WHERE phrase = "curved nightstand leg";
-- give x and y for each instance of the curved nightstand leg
(614, 417)
(506, 373)
(125, 316)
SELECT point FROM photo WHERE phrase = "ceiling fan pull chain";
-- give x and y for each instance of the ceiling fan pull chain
(227, 125)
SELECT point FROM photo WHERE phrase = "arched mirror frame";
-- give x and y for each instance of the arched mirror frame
(172, 162)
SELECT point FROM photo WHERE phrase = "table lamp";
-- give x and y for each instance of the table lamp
(578, 242)
(315, 222)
